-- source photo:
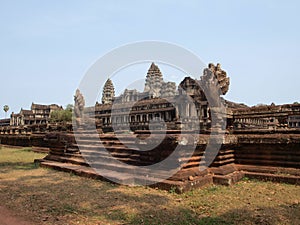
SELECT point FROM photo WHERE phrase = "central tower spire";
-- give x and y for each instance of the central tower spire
(108, 93)
(154, 81)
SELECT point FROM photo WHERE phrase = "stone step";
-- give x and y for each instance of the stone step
(60, 150)
(198, 158)
(114, 171)
(128, 178)
(223, 162)
(228, 179)
(96, 145)
(40, 149)
(198, 154)
(224, 158)
(185, 174)
(67, 154)
(223, 170)
(267, 152)
(64, 159)
(196, 164)
(140, 158)
(105, 136)
(268, 169)
(88, 172)
(77, 159)
(225, 152)
(123, 167)
(284, 157)
(106, 142)
(101, 156)
(265, 162)
(291, 179)
(103, 152)
(195, 160)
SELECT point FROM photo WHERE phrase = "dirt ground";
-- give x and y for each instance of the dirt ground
(46, 197)
(7, 217)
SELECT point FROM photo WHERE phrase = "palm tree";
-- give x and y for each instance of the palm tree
(5, 108)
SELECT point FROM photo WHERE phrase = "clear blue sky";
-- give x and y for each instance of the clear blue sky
(47, 46)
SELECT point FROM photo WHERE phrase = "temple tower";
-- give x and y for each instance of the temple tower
(154, 81)
(108, 93)
(168, 89)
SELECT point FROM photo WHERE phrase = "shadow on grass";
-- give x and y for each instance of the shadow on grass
(8, 166)
(284, 214)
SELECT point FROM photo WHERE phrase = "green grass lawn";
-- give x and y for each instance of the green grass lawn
(46, 196)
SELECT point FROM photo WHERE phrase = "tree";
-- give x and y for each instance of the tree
(70, 107)
(62, 116)
(5, 108)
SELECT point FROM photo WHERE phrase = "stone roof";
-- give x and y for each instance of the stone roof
(40, 106)
(26, 112)
(153, 101)
(5, 120)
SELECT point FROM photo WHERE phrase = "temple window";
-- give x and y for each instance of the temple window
(144, 118)
(132, 119)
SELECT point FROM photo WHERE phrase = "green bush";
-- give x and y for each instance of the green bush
(58, 116)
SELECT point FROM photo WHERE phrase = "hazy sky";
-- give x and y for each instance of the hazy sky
(47, 46)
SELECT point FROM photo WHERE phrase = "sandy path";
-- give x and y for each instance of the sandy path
(7, 218)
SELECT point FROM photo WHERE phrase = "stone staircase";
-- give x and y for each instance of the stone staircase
(68, 158)
(118, 158)
(269, 173)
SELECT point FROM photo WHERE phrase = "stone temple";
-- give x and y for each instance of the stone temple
(159, 100)
(122, 136)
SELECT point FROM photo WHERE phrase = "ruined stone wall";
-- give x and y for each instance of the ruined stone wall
(24, 140)
(282, 150)
(32, 135)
